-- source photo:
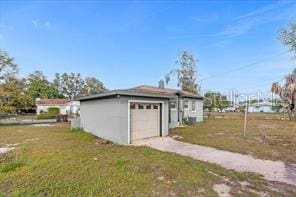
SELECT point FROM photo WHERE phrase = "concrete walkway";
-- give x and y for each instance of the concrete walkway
(26, 122)
(271, 170)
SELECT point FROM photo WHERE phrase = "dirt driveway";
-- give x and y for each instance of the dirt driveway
(271, 170)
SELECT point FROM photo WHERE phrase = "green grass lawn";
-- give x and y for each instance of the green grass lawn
(267, 139)
(56, 161)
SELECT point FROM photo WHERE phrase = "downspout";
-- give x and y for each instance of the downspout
(169, 112)
(179, 108)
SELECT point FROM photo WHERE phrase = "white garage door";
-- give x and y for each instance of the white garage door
(144, 120)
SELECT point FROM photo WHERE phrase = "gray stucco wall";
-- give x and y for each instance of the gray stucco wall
(174, 115)
(198, 113)
(102, 117)
(108, 118)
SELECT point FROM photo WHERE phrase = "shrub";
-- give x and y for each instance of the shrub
(189, 120)
(45, 116)
(77, 130)
(53, 111)
(5, 115)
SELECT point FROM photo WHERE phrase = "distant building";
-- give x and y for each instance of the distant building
(66, 106)
(230, 109)
(263, 106)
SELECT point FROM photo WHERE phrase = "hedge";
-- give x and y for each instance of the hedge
(46, 116)
(53, 111)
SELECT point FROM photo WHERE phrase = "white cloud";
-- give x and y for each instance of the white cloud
(281, 10)
(47, 25)
(237, 29)
(35, 23)
(266, 14)
(42, 24)
(218, 43)
(264, 9)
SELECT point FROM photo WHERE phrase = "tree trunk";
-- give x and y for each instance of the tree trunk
(289, 113)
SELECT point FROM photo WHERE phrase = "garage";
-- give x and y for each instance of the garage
(145, 120)
(125, 116)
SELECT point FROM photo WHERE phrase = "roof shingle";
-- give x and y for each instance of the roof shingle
(52, 101)
(163, 91)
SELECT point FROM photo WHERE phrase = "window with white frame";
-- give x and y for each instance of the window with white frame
(148, 106)
(140, 106)
(132, 106)
(173, 104)
(193, 106)
(186, 105)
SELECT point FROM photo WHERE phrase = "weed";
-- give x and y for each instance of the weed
(121, 162)
(11, 165)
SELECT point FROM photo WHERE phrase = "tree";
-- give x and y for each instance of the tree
(57, 86)
(70, 85)
(277, 107)
(186, 73)
(8, 67)
(12, 88)
(12, 95)
(287, 91)
(252, 101)
(39, 87)
(73, 85)
(215, 100)
(93, 86)
(288, 37)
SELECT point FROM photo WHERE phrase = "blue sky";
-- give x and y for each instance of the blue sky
(129, 43)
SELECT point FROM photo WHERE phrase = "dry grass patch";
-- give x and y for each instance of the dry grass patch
(62, 162)
(266, 139)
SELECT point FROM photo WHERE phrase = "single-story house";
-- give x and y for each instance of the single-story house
(126, 115)
(66, 106)
(264, 106)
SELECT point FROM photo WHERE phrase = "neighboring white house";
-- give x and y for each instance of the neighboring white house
(66, 106)
(124, 116)
(230, 109)
(264, 106)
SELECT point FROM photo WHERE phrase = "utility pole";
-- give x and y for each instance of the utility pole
(246, 119)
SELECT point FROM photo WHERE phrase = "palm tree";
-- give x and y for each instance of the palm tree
(287, 92)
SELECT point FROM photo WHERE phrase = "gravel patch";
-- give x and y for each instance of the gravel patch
(222, 190)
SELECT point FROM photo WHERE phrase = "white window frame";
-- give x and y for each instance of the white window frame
(175, 108)
(188, 103)
(193, 102)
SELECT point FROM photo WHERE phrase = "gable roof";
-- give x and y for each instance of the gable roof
(143, 91)
(122, 93)
(164, 91)
(52, 101)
